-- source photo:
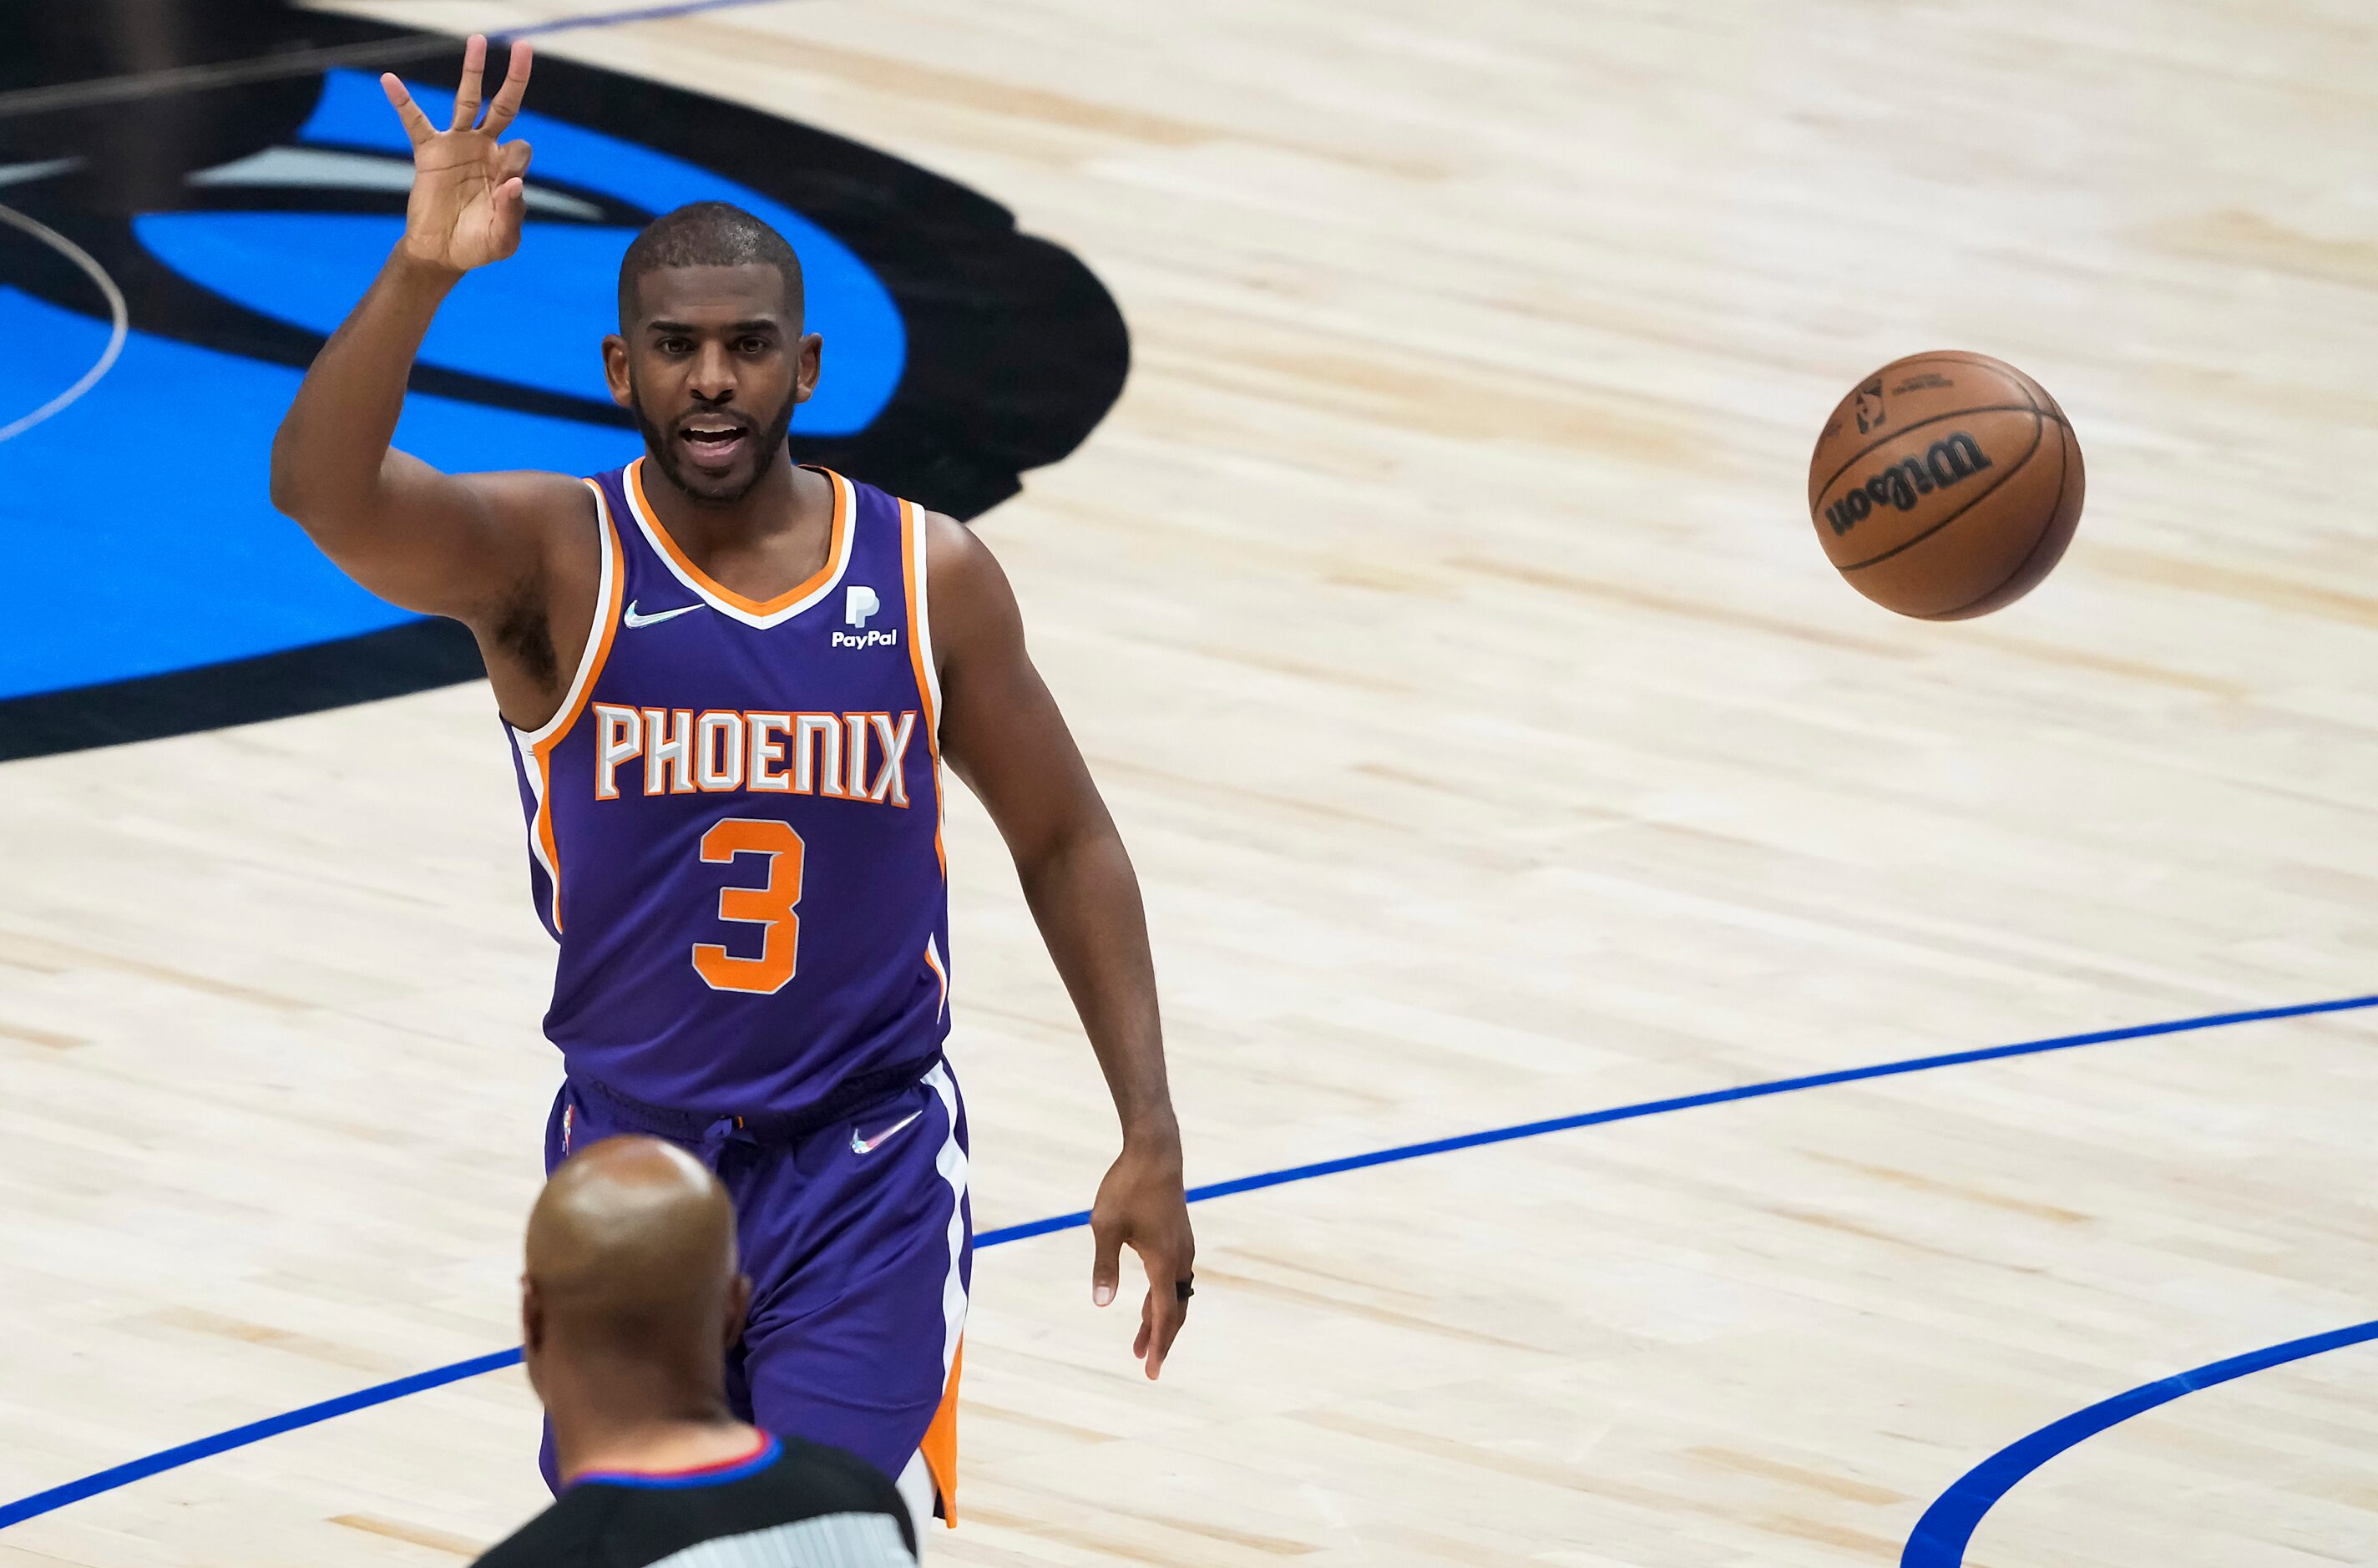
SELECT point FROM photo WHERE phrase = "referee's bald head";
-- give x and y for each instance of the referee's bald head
(631, 1265)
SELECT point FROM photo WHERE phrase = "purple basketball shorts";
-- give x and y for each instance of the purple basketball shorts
(859, 1242)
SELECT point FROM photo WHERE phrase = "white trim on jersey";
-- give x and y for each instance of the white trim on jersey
(586, 661)
(845, 505)
(532, 745)
(533, 770)
(941, 972)
(920, 636)
(912, 517)
(951, 1162)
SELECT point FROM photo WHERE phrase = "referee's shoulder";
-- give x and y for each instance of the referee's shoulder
(836, 1481)
(564, 1536)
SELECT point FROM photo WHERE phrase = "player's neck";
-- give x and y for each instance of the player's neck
(788, 500)
(764, 545)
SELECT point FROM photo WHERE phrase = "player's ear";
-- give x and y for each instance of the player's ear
(615, 370)
(808, 361)
(739, 1305)
(532, 1327)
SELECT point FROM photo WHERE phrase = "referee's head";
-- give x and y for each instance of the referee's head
(632, 1293)
(630, 1304)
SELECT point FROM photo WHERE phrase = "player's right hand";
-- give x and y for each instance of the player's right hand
(467, 197)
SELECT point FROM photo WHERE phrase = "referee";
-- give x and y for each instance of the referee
(630, 1297)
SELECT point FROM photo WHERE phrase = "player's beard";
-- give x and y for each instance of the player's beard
(664, 450)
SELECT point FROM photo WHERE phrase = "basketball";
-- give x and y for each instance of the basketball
(1946, 486)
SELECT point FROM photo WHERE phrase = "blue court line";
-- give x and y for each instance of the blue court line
(1948, 1526)
(1691, 1102)
(255, 1431)
(363, 1399)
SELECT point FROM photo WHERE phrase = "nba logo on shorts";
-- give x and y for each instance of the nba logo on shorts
(859, 603)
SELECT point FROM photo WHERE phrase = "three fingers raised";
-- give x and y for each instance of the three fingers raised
(467, 99)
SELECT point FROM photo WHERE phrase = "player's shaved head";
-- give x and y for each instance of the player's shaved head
(707, 233)
(631, 1265)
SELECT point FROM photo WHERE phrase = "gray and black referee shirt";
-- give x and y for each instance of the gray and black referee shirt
(787, 1505)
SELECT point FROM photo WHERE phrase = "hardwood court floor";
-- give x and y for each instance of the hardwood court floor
(1439, 614)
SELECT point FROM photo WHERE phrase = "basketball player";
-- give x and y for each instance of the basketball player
(729, 684)
(629, 1292)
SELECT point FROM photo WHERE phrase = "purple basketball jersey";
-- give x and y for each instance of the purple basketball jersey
(735, 821)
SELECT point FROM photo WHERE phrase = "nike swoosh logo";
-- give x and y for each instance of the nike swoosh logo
(859, 1145)
(634, 619)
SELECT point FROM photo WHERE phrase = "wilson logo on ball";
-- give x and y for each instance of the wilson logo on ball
(1949, 461)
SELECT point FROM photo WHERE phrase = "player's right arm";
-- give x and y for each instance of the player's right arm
(477, 547)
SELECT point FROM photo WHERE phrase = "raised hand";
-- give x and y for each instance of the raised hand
(467, 198)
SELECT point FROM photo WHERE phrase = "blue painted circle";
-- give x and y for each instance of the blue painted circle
(137, 526)
(539, 324)
(1947, 1528)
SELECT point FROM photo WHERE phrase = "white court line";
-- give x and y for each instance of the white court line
(98, 274)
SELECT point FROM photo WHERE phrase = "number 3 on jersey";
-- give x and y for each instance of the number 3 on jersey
(769, 905)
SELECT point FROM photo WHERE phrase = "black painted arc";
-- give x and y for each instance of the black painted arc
(1014, 346)
(167, 304)
(101, 41)
(2039, 426)
(1016, 350)
(132, 153)
(392, 662)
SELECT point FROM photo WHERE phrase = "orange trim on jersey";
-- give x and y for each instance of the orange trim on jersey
(606, 624)
(933, 962)
(910, 566)
(941, 1446)
(711, 585)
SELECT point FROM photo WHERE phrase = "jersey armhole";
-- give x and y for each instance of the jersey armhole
(537, 747)
(608, 584)
(913, 532)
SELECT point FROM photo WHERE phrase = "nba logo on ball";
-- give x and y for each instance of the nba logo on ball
(858, 605)
(1869, 405)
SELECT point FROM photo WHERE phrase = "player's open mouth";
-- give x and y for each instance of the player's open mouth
(713, 445)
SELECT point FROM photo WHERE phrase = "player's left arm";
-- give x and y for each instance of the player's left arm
(1002, 733)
